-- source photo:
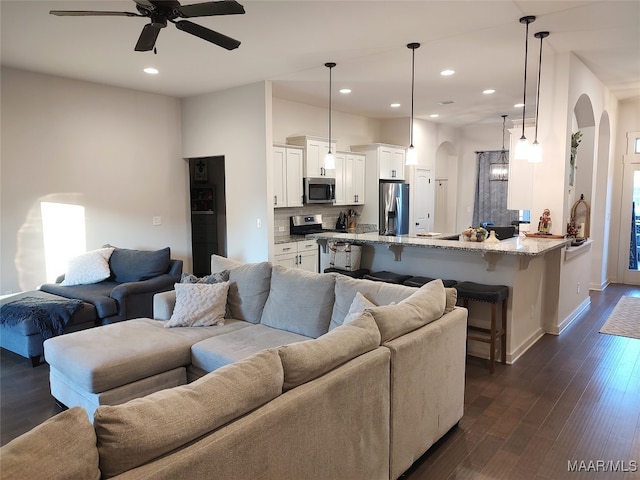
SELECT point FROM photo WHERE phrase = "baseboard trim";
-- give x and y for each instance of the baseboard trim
(563, 325)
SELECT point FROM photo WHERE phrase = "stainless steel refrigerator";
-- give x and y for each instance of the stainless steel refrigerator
(394, 208)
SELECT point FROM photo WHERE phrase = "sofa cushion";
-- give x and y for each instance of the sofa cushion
(379, 293)
(136, 265)
(61, 448)
(199, 305)
(90, 267)
(304, 361)
(218, 277)
(138, 431)
(248, 287)
(452, 298)
(299, 301)
(221, 350)
(424, 306)
(95, 293)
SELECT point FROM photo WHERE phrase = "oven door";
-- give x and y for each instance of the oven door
(319, 190)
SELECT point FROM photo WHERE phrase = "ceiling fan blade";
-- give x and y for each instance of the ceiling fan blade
(147, 38)
(208, 35)
(208, 9)
(85, 13)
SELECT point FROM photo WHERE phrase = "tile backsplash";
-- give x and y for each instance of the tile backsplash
(329, 214)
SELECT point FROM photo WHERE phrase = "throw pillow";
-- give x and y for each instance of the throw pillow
(217, 277)
(199, 305)
(360, 304)
(424, 306)
(137, 265)
(90, 267)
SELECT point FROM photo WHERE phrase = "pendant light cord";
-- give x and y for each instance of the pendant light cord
(526, 20)
(504, 119)
(413, 80)
(330, 66)
(541, 36)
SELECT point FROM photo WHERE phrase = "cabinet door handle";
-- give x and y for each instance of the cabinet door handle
(275, 199)
(322, 171)
(300, 257)
(393, 174)
(286, 248)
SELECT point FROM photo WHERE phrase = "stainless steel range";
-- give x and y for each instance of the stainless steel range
(304, 224)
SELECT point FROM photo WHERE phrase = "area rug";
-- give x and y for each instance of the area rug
(624, 320)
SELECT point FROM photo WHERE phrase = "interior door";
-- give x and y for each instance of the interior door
(441, 206)
(629, 251)
(422, 217)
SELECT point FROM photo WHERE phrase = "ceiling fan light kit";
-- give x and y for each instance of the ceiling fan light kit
(162, 11)
(522, 147)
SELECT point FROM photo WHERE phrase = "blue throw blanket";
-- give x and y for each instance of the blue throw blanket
(50, 316)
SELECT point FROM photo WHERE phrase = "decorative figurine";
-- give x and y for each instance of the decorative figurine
(544, 225)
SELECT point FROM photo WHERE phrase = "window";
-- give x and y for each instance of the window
(63, 231)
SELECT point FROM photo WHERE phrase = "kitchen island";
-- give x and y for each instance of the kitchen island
(544, 276)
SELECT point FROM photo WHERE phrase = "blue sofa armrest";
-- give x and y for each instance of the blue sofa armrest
(135, 299)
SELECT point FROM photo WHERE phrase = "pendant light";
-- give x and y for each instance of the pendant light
(412, 158)
(499, 170)
(330, 160)
(522, 147)
(535, 152)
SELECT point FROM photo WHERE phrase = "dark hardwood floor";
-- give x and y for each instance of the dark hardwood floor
(573, 399)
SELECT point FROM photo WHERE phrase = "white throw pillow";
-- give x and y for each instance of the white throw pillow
(358, 306)
(90, 267)
(199, 305)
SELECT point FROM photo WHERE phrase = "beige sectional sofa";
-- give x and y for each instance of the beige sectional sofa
(285, 389)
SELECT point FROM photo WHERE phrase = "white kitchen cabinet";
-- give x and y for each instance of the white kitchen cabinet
(302, 255)
(315, 150)
(354, 178)
(287, 176)
(350, 180)
(388, 160)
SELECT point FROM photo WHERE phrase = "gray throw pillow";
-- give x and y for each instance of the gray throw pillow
(136, 265)
(217, 277)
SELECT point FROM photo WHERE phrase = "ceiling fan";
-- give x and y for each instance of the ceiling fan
(162, 11)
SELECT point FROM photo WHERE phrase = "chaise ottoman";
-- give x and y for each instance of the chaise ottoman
(115, 363)
(25, 339)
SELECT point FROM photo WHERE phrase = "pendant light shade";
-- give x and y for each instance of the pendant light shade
(499, 170)
(330, 160)
(522, 147)
(412, 158)
(535, 152)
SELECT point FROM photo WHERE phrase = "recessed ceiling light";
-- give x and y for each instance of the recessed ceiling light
(446, 73)
(434, 115)
(345, 90)
(518, 105)
(395, 105)
(151, 71)
(488, 91)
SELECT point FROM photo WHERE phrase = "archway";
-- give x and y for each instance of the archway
(446, 188)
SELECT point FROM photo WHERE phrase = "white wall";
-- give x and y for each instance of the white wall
(236, 123)
(115, 151)
(291, 119)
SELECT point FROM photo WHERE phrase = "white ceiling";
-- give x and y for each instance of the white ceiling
(288, 42)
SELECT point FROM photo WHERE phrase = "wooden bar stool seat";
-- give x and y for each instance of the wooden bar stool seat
(493, 294)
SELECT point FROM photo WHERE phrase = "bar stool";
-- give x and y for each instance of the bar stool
(361, 272)
(388, 277)
(420, 281)
(492, 294)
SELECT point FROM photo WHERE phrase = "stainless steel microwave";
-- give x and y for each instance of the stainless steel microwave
(319, 190)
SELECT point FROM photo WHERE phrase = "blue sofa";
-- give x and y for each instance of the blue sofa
(136, 276)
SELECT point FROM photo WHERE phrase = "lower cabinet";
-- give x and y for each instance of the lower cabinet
(302, 255)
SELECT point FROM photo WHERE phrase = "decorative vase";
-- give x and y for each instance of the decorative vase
(492, 238)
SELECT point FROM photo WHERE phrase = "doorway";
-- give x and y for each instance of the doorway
(630, 214)
(208, 211)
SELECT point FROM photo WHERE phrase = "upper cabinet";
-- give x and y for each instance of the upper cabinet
(287, 176)
(388, 160)
(315, 150)
(350, 179)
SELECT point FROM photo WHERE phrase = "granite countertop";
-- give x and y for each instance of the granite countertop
(513, 246)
